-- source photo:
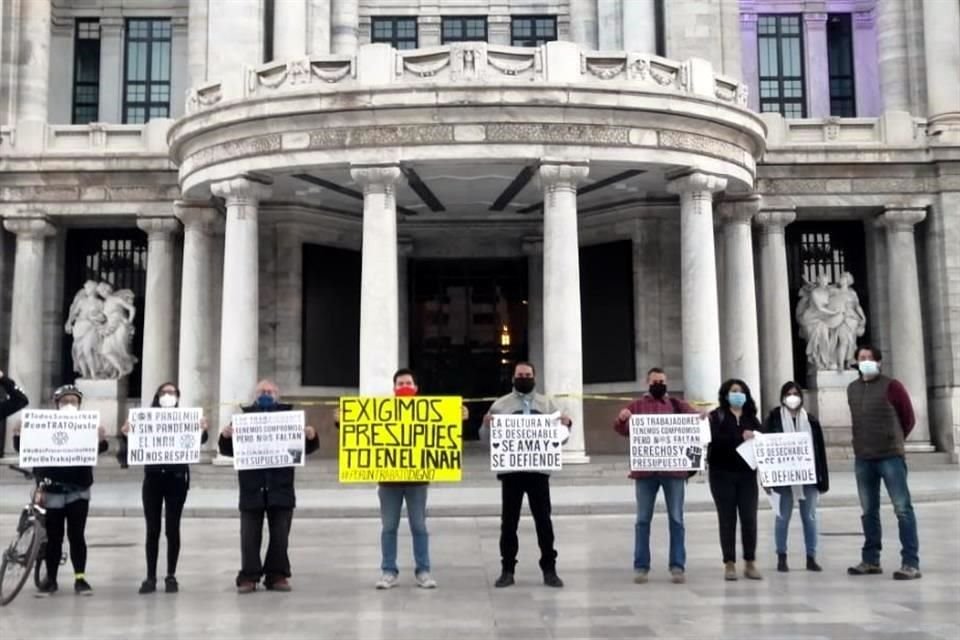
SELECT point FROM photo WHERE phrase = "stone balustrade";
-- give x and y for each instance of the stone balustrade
(97, 138)
(892, 129)
(471, 63)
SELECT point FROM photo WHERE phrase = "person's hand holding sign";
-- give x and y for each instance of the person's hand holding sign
(624, 415)
(102, 432)
(565, 420)
(309, 432)
(227, 431)
(204, 425)
(125, 429)
(747, 434)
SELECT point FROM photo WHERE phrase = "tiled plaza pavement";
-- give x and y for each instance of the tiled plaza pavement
(335, 565)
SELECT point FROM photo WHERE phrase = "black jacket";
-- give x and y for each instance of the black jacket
(726, 434)
(64, 479)
(266, 488)
(15, 399)
(773, 424)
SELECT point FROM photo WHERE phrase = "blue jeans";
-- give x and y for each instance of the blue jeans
(808, 515)
(893, 472)
(673, 494)
(391, 501)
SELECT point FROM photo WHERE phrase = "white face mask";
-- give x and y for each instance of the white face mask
(70, 408)
(868, 367)
(792, 402)
(168, 400)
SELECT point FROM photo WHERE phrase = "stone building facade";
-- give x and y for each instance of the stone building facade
(319, 191)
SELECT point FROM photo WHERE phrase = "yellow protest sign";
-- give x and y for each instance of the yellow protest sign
(401, 439)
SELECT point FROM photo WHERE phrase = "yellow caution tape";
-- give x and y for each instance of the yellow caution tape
(576, 396)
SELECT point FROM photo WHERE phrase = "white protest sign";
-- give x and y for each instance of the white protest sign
(785, 459)
(271, 439)
(666, 442)
(164, 436)
(527, 443)
(50, 438)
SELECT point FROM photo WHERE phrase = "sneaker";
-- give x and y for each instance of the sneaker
(812, 564)
(551, 579)
(246, 586)
(750, 571)
(82, 587)
(148, 586)
(170, 584)
(864, 569)
(387, 581)
(640, 577)
(280, 584)
(730, 571)
(782, 566)
(677, 576)
(907, 573)
(46, 589)
(425, 580)
(505, 580)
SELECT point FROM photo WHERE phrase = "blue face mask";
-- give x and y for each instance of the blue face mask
(868, 367)
(737, 399)
(266, 401)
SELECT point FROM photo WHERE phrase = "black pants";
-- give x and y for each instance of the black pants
(160, 488)
(735, 492)
(276, 564)
(74, 515)
(537, 488)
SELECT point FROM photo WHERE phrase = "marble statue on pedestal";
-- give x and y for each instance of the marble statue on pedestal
(831, 319)
(101, 323)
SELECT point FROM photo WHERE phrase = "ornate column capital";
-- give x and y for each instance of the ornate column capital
(242, 190)
(815, 20)
(29, 228)
(741, 210)
(375, 178)
(158, 226)
(775, 220)
(902, 218)
(696, 182)
(198, 216)
(532, 245)
(562, 175)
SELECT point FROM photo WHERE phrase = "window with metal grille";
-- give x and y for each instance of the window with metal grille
(843, 101)
(463, 29)
(823, 248)
(399, 33)
(532, 31)
(86, 71)
(115, 256)
(780, 42)
(146, 74)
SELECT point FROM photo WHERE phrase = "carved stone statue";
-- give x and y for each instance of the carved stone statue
(831, 319)
(101, 322)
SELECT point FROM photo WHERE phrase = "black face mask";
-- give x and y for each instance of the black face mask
(524, 385)
(658, 390)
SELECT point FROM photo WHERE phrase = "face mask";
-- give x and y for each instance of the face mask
(266, 401)
(737, 399)
(405, 392)
(868, 367)
(792, 402)
(167, 401)
(524, 385)
(69, 408)
(658, 390)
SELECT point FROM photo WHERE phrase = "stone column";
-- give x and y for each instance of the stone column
(867, 71)
(197, 42)
(404, 249)
(741, 337)
(639, 26)
(318, 18)
(379, 309)
(533, 248)
(583, 23)
(941, 26)
(111, 69)
(289, 29)
(33, 77)
(817, 70)
(906, 321)
(892, 55)
(776, 365)
(700, 324)
(197, 369)
(562, 333)
(750, 59)
(242, 22)
(345, 26)
(240, 314)
(159, 323)
(26, 355)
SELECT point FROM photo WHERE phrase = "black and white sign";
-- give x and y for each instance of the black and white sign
(785, 459)
(50, 438)
(265, 440)
(668, 442)
(164, 436)
(527, 443)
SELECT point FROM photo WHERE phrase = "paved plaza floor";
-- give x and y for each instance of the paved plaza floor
(335, 565)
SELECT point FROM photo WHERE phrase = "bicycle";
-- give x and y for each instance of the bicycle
(26, 550)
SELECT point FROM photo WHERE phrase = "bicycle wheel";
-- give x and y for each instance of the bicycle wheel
(18, 559)
(40, 566)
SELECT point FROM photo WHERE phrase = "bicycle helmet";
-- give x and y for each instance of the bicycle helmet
(67, 390)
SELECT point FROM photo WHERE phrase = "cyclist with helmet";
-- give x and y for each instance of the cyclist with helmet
(67, 502)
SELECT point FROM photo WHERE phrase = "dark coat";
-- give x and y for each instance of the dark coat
(14, 400)
(773, 424)
(266, 488)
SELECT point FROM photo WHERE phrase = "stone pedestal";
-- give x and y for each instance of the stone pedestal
(827, 399)
(109, 397)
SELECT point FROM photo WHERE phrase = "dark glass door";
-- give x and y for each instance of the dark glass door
(468, 327)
